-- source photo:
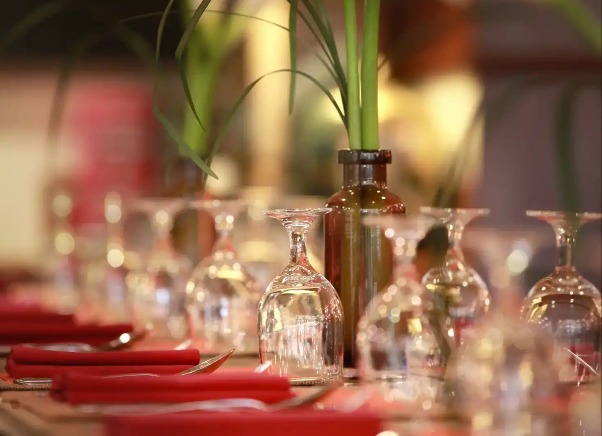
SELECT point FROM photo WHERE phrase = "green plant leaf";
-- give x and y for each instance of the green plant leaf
(184, 147)
(325, 30)
(240, 100)
(339, 74)
(354, 109)
(172, 132)
(59, 98)
(29, 22)
(160, 29)
(563, 136)
(497, 107)
(188, 31)
(314, 32)
(325, 62)
(583, 20)
(132, 40)
(369, 76)
(329, 36)
(292, 42)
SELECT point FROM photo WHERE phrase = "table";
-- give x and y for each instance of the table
(24, 413)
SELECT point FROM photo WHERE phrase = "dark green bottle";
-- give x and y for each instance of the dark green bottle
(359, 259)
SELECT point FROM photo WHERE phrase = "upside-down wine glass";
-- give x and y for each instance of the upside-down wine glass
(403, 348)
(221, 296)
(260, 243)
(158, 297)
(565, 302)
(61, 270)
(111, 282)
(300, 314)
(457, 289)
(505, 376)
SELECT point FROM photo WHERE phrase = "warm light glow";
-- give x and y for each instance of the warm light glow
(62, 205)
(517, 261)
(64, 243)
(115, 257)
(267, 118)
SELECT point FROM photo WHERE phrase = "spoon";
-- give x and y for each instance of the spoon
(206, 366)
(123, 341)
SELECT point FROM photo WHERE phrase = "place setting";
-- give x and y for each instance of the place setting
(309, 218)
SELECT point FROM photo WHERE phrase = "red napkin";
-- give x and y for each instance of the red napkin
(289, 423)
(82, 389)
(34, 362)
(13, 314)
(21, 332)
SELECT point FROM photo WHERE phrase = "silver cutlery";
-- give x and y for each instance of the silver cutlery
(263, 367)
(215, 405)
(123, 341)
(582, 362)
(208, 365)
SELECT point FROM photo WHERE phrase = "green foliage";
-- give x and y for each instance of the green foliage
(583, 20)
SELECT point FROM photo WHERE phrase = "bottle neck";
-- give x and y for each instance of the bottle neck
(364, 174)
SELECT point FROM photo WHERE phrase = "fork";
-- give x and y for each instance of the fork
(581, 361)
(215, 405)
(204, 366)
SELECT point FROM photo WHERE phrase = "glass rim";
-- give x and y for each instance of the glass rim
(562, 214)
(208, 204)
(142, 204)
(316, 212)
(457, 211)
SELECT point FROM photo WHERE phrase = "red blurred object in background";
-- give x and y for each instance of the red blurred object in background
(114, 135)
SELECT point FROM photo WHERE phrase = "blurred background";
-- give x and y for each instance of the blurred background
(443, 58)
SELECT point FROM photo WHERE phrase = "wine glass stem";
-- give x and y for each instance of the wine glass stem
(224, 224)
(565, 242)
(404, 262)
(298, 246)
(454, 235)
(162, 224)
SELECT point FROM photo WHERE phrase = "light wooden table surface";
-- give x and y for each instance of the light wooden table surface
(24, 413)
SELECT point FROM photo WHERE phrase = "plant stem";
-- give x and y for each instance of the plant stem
(353, 82)
(369, 83)
(584, 21)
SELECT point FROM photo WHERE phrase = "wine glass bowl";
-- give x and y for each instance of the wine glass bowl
(300, 314)
(457, 289)
(566, 303)
(221, 296)
(402, 340)
(505, 376)
(158, 296)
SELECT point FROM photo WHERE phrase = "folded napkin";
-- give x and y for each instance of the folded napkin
(12, 313)
(84, 389)
(24, 331)
(35, 362)
(289, 423)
